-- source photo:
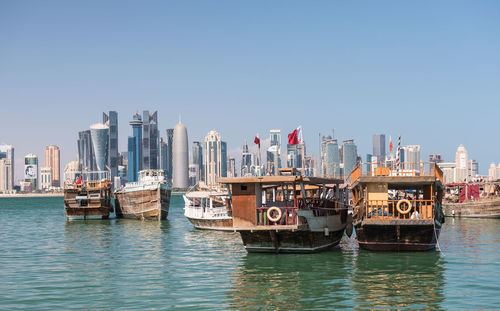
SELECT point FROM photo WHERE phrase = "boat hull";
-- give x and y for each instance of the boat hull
(212, 224)
(301, 241)
(143, 204)
(397, 236)
(480, 209)
(96, 208)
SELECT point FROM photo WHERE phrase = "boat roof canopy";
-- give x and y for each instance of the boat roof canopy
(279, 179)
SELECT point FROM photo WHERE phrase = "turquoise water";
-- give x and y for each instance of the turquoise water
(47, 263)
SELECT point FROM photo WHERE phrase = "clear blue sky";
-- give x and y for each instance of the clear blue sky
(428, 70)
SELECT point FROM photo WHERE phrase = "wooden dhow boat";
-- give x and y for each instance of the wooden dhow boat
(397, 208)
(88, 197)
(148, 198)
(472, 200)
(288, 213)
(209, 208)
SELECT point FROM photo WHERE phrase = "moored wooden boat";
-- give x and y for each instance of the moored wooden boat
(89, 197)
(472, 200)
(288, 214)
(209, 209)
(397, 209)
(148, 198)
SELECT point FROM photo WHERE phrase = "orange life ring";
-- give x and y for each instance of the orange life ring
(276, 217)
(406, 211)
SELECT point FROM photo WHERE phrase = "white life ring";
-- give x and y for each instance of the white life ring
(406, 211)
(276, 217)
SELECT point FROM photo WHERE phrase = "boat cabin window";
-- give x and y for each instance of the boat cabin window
(243, 187)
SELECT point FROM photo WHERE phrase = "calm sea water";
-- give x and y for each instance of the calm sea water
(48, 263)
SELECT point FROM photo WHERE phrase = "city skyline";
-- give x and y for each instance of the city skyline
(322, 66)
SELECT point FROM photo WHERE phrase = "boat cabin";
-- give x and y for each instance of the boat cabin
(387, 192)
(275, 202)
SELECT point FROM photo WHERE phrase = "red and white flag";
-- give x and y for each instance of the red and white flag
(390, 144)
(79, 181)
(257, 140)
(295, 137)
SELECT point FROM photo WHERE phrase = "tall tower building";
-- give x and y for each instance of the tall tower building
(379, 147)
(163, 155)
(53, 162)
(215, 158)
(31, 170)
(135, 148)
(9, 154)
(111, 120)
(231, 167)
(100, 138)
(411, 157)
(86, 157)
(150, 140)
(349, 155)
(180, 153)
(169, 141)
(332, 158)
(246, 160)
(461, 157)
(197, 158)
(6, 172)
(274, 152)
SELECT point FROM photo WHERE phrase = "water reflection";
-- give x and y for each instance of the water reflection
(293, 281)
(398, 280)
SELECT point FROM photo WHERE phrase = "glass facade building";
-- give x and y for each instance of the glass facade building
(134, 147)
(349, 155)
(100, 138)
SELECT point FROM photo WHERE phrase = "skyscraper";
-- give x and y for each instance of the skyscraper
(163, 155)
(9, 154)
(349, 155)
(180, 155)
(6, 173)
(135, 148)
(231, 167)
(169, 142)
(461, 157)
(86, 157)
(274, 152)
(323, 154)
(111, 120)
(31, 170)
(332, 158)
(410, 157)
(197, 158)
(150, 140)
(53, 162)
(215, 158)
(100, 139)
(46, 177)
(379, 147)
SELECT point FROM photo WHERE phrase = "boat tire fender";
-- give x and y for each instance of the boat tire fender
(276, 217)
(406, 211)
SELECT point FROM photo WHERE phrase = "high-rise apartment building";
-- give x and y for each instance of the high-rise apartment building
(461, 157)
(349, 155)
(215, 158)
(9, 154)
(163, 155)
(180, 161)
(323, 153)
(197, 158)
(332, 159)
(111, 120)
(274, 152)
(379, 147)
(231, 167)
(150, 140)
(169, 141)
(135, 148)
(86, 157)
(435, 158)
(46, 177)
(100, 139)
(53, 162)
(6, 172)
(31, 170)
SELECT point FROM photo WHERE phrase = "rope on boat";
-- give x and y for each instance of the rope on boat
(435, 234)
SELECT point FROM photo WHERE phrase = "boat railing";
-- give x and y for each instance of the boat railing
(394, 169)
(288, 216)
(387, 209)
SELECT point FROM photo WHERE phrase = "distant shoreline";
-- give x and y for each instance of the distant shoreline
(32, 195)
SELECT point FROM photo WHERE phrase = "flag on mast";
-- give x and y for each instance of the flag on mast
(295, 137)
(257, 140)
(390, 144)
